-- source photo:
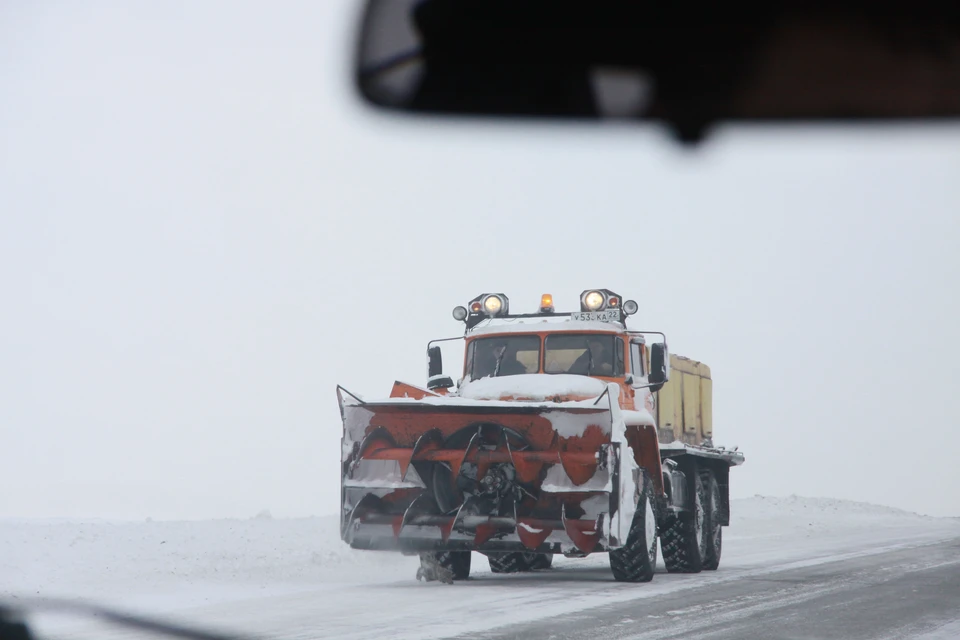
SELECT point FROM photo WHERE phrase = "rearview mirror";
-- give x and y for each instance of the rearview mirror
(658, 366)
(689, 67)
(435, 377)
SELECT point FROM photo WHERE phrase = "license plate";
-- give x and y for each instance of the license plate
(610, 315)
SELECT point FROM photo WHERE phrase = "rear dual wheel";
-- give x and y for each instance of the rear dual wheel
(714, 530)
(692, 541)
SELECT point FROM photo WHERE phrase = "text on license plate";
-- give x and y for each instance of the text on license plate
(610, 315)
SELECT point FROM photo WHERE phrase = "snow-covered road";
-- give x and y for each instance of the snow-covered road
(891, 595)
(295, 579)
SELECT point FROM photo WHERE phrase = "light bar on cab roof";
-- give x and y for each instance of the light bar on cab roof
(595, 304)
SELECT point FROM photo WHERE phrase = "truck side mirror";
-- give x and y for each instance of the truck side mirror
(435, 377)
(658, 366)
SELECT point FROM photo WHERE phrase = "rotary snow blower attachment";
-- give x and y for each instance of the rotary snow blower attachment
(548, 445)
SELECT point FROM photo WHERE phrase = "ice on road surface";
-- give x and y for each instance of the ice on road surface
(294, 578)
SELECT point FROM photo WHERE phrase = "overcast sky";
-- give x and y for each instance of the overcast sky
(202, 232)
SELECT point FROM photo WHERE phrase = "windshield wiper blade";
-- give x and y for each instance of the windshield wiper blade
(496, 369)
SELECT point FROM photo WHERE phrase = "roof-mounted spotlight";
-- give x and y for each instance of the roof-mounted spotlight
(604, 305)
(592, 301)
(493, 305)
(630, 307)
(487, 305)
(599, 300)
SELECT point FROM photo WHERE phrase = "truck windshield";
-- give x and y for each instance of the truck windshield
(582, 354)
(503, 356)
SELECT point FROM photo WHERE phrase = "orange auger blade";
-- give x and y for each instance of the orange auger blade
(532, 533)
(429, 441)
(584, 533)
(483, 533)
(579, 472)
(407, 421)
(376, 440)
(422, 504)
(409, 431)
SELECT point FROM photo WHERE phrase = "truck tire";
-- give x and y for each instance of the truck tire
(713, 531)
(539, 561)
(519, 561)
(636, 560)
(445, 566)
(683, 538)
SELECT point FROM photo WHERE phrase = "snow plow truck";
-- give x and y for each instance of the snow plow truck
(566, 433)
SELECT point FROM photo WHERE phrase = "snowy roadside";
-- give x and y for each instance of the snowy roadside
(188, 562)
(295, 577)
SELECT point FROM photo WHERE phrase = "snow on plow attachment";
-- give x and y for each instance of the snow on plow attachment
(453, 474)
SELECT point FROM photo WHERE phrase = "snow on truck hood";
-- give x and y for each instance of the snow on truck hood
(533, 387)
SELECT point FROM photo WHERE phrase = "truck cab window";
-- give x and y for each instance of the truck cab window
(636, 360)
(581, 354)
(503, 356)
(618, 369)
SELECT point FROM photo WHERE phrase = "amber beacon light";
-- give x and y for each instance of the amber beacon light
(546, 303)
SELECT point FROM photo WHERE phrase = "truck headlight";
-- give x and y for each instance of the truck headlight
(492, 305)
(593, 300)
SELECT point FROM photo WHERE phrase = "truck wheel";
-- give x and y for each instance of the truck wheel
(445, 566)
(713, 531)
(635, 560)
(519, 561)
(683, 539)
(539, 561)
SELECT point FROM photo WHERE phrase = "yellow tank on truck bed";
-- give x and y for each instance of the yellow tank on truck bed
(685, 403)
